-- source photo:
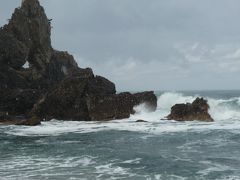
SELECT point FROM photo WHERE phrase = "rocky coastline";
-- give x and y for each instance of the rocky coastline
(39, 83)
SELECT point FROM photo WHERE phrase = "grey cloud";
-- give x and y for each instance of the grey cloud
(142, 44)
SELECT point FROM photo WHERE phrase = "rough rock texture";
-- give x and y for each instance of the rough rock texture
(18, 101)
(33, 121)
(38, 82)
(26, 39)
(119, 106)
(148, 98)
(198, 110)
(65, 101)
(89, 99)
(18, 120)
(116, 106)
(99, 86)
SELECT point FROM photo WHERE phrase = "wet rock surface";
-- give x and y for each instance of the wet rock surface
(198, 110)
(118, 106)
(18, 120)
(141, 121)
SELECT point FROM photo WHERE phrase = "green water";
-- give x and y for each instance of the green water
(127, 150)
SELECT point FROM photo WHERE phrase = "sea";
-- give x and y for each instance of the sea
(126, 150)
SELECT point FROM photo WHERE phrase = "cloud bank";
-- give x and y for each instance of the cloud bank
(142, 44)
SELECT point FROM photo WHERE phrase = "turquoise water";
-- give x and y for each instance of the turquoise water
(124, 149)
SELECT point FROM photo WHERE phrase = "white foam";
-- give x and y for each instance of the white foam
(213, 167)
(26, 167)
(225, 112)
(220, 109)
(83, 161)
(223, 109)
(132, 161)
(112, 170)
(167, 100)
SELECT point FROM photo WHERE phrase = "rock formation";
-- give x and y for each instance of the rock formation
(141, 121)
(26, 39)
(89, 98)
(118, 106)
(38, 82)
(198, 110)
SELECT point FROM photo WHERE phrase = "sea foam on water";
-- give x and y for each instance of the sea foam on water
(225, 112)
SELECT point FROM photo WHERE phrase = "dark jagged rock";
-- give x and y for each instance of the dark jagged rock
(100, 86)
(12, 52)
(30, 26)
(66, 101)
(18, 101)
(148, 98)
(26, 39)
(141, 121)
(61, 65)
(6, 119)
(33, 121)
(118, 106)
(84, 99)
(52, 85)
(198, 110)
(11, 79)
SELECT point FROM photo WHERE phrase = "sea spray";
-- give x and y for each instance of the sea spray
(124, 149)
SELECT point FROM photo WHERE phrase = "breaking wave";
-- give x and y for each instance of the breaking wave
(220, 109)
(124, 149)
(225, 112)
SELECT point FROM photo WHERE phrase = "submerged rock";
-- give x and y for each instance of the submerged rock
(32, 121)
(198, 110)
(6, 119)
(141, 121)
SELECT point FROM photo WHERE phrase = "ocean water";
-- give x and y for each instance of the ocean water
(124, 149)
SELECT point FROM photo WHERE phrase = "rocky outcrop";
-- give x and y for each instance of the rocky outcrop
(89, 99)
(198, 110)
(118, 106)
(38, 82)
(26, 40)
(67, 100)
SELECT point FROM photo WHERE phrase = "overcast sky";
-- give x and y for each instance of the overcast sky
(149, 44)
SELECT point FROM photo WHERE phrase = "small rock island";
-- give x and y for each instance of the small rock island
(40, 83)
(197, 110)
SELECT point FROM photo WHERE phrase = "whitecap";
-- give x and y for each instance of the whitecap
(226, 116)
